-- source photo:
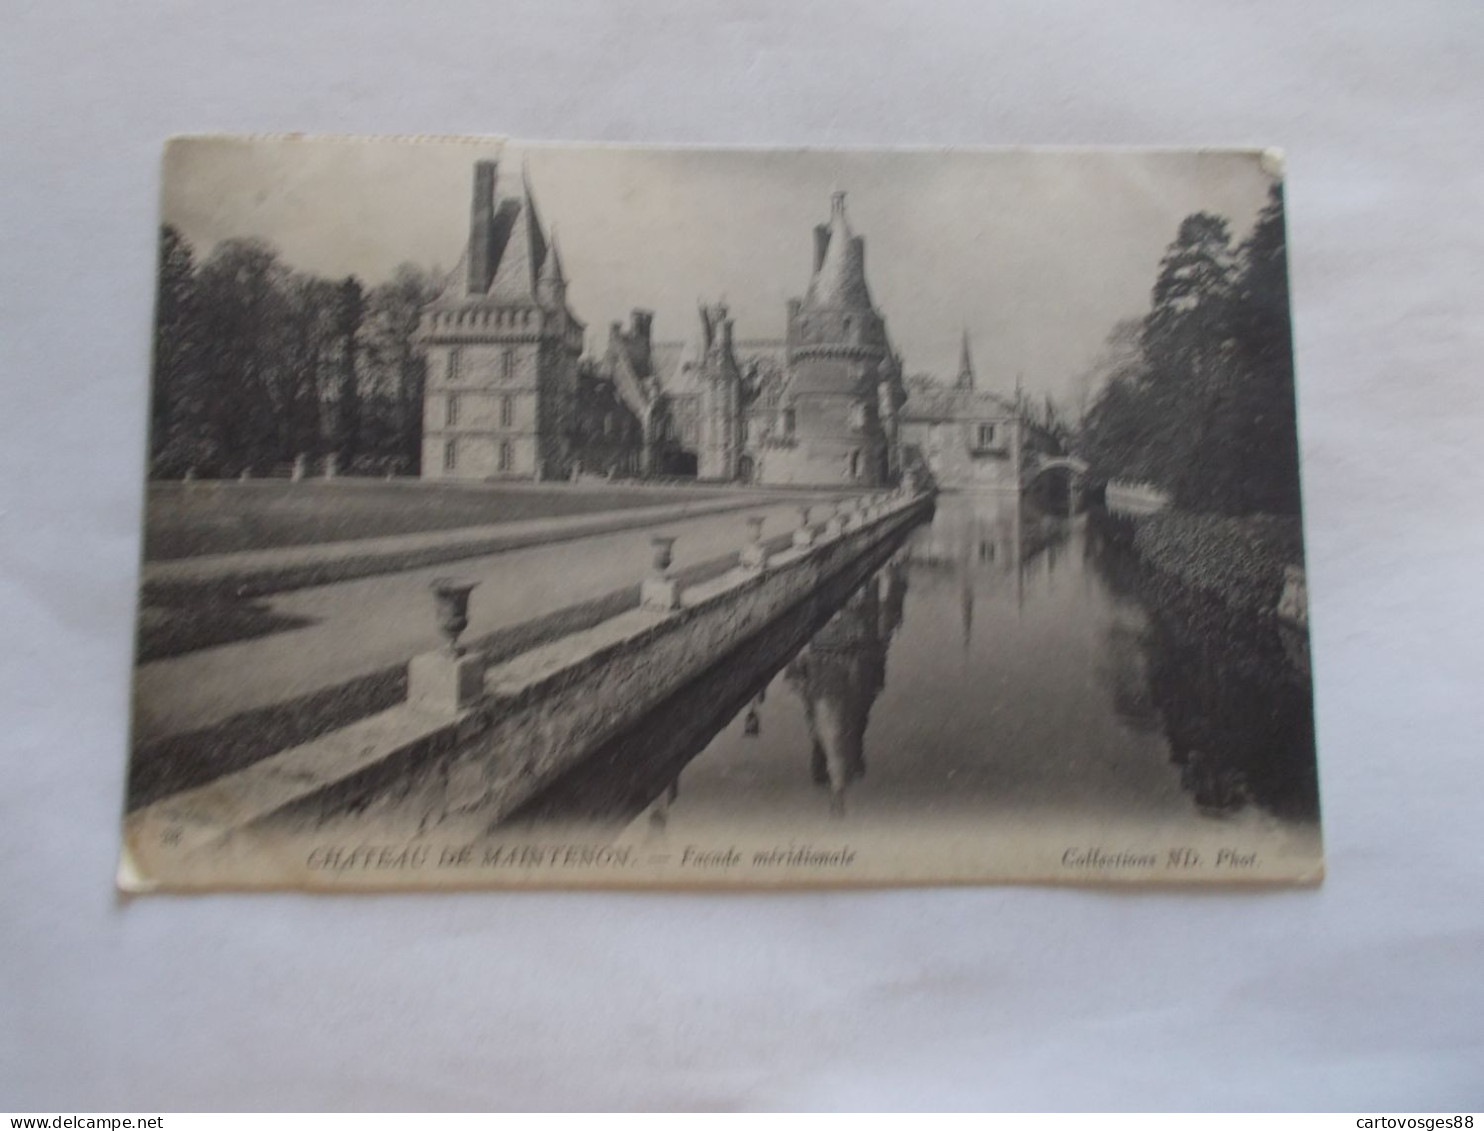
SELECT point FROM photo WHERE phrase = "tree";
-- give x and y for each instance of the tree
(1203, 405)
(1265, 410)
(395, 364)
(256, 364)
(350, 308)
(242, 318)
(176, 404)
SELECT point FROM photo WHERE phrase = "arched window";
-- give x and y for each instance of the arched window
(451, 410)
(507, 412)
(453, 365)
(450, 455)
(505, 455)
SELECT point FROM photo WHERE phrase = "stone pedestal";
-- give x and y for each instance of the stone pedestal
(441, 681)
(804, 537)
(660, 594)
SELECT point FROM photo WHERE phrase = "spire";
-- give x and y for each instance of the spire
(552, 281)
(840, 280)
(553, 265)
(965, 366)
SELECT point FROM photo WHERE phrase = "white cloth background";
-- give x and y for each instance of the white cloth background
(1365, 994)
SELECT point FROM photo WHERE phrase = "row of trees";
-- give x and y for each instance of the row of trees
(256, 364)
(1197, 396)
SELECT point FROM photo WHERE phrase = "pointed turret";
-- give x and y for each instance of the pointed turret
(840, 280)
(965, 366)
(552, 283)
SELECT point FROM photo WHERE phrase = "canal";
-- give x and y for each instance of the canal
(996, 668)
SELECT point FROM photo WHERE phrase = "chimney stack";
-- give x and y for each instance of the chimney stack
(482, 228)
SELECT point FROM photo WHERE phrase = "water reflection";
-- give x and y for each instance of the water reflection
(840, 673)
(998, 661)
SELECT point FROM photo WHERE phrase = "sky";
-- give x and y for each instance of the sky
(1036, 253)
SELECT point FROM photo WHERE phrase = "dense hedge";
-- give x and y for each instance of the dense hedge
(1237, 560)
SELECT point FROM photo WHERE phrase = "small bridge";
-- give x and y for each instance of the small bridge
(1073, 467)
(1070, 464)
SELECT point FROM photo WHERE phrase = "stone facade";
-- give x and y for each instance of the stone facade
(823, 406)
(969, 439)
(502, 348)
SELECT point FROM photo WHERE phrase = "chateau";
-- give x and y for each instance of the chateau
(509, 395)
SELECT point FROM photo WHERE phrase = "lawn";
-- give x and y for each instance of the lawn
(187, 520)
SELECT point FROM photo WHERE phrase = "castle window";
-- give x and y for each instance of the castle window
(855, 464)
(507, 364)
(451, 411)
(453, 365)
(790, 420)
(746, 430)
(507, 412)
(450, 455)
(986, 435)
(505, 455)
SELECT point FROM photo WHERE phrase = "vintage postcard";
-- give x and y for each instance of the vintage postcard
(547, 515)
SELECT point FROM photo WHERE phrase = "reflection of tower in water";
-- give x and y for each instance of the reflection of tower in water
(839, 675)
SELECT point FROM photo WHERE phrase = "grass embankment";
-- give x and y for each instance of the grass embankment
(1236, 561)
(189, 520)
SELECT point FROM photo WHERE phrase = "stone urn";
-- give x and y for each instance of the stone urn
(755, 528)
(803, 516)
(662, 553)
(451, 600)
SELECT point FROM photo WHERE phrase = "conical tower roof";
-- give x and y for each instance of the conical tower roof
(840, 281)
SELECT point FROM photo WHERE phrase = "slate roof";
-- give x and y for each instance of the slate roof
(929, 400)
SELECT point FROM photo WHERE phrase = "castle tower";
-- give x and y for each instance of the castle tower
(838, 358)
(502, 348)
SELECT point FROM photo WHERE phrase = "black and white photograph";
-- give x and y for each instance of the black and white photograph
(535, 515)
